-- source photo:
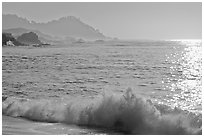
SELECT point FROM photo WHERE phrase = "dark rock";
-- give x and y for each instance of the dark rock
(8, 37)
(29, 38)
(4, 98)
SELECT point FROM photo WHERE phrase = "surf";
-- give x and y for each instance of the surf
(128, 113)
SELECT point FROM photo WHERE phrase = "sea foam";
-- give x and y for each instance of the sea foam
(127, 113)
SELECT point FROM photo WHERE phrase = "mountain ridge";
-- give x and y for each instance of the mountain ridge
(63, 27)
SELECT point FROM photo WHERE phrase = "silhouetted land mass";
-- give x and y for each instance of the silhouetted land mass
(29, 38)
(45, 38)
(8, 37)
(63, 27)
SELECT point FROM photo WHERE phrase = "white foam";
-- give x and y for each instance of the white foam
(128, 113)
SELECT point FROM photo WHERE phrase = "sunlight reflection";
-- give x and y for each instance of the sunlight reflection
(185, 75)
(188, 42)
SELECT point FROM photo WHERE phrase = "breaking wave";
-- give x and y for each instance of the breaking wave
(128, 113)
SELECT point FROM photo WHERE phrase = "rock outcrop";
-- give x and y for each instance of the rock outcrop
(29, 38)
(9, 40)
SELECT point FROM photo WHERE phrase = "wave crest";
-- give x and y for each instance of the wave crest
(128, 113)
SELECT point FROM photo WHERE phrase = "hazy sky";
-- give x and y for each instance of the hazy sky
(122, 20)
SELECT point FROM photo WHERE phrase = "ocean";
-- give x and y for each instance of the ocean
(129, 87)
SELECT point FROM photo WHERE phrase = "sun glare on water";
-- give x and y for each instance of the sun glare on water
(186, 76)
(188, 42)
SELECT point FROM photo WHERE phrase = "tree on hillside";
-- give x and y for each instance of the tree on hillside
(8, 37)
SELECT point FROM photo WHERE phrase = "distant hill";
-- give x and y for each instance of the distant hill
(13, 21)
(29, 38)
(16, 31)
(64, 27)
(45, 38)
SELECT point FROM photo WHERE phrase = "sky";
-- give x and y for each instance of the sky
(123, 20)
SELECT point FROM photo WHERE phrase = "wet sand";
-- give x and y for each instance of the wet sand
(20, 126)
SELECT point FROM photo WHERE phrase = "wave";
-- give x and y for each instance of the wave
(128, 113)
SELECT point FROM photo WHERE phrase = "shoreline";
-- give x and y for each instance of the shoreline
(21, 126)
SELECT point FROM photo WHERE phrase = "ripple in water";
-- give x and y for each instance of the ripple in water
(185, 76)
